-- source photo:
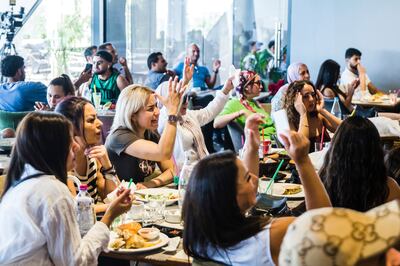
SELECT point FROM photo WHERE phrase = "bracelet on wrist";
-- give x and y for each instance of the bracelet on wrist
(110, 171)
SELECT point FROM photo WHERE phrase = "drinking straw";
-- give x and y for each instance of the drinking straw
(354, 111)
(322, 138)
(94, 88)
(242, 140)
(274, 176)
(130, 182)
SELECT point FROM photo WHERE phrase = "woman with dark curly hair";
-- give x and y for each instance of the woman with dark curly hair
(241, 107)
(354, 172)
(305, 109)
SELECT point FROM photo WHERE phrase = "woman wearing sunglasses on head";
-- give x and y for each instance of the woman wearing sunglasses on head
(239, 108)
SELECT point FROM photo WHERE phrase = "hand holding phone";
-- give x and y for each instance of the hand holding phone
(87, 67)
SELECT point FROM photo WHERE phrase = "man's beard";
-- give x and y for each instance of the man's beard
(101, 72)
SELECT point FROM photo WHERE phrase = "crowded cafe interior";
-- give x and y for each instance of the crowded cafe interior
(205, 133)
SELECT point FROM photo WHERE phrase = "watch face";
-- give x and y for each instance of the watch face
(172, 118)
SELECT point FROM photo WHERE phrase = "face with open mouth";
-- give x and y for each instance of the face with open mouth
(91, 126)
(147, 117)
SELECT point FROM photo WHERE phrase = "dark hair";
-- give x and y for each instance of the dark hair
(328, 75)
(105, 55)
(152, 59)
(73, 108)
(246, 78)
(290, 98)
(10, 65)
(353, 171)
(89, 51)
(103, 46)
(271, 43)
(392, 163)
(65, 82)
(43, 141)
(350, 52)
(210, 211)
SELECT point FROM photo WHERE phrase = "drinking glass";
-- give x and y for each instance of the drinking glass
(154, 211)
(136, 212)
(96, 100)
(393, 97)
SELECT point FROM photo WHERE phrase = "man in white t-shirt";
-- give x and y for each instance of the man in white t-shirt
(355, 71)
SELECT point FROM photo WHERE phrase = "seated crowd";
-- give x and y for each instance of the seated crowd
(155, 129)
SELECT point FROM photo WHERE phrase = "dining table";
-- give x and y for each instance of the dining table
(383, 104)
(178, 257)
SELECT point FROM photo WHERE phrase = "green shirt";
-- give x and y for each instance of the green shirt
(234, 105)
(108, 88)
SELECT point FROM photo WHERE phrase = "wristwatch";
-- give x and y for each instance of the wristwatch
(172, 119)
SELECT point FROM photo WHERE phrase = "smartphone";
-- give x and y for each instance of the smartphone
(87, 67)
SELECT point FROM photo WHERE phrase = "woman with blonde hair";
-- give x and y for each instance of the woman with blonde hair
(134, 145)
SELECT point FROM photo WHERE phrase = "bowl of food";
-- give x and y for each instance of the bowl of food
(173, 216)
(149, 233)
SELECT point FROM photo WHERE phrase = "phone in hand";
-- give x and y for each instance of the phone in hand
(87, 67)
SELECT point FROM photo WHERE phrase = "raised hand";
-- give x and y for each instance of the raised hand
(251, 130)
(187, 71)
(296, 144)
(175, 92)
(320, 101)
(228, 86)
(216, 65)
(299, 105)
(122, 61)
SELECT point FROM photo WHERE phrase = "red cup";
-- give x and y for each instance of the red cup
(266, 144)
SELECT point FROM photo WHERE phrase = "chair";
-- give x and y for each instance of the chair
(11, 119)
(236, 133)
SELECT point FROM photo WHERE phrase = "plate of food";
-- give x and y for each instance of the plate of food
(130, 238)
(170, 195)
(288, 190)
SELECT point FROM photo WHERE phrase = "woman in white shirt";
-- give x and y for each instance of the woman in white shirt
(38, 221)
(189, 136)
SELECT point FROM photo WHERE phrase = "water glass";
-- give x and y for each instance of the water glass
(319, 147)
(154, 211)
(97, 100)
(136, 212)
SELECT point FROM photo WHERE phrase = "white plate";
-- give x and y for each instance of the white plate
(163, 237)
(157, 191)
(279, 188)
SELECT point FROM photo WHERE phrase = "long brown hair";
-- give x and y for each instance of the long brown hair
(43, 141)
(354, 172)
(294, 88)
(210, 211)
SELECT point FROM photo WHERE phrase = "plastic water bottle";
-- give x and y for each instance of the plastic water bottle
(190, 162)
(84, 210)
(336, 108)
